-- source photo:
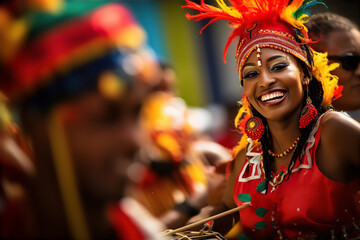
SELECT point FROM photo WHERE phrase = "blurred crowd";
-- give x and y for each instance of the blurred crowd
(94, 140)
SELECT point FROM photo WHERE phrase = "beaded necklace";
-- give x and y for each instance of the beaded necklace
(283, 154)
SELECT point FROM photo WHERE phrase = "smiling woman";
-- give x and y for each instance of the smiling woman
(280, 68)
(296, 151)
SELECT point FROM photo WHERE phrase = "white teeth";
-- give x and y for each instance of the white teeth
(271, 96)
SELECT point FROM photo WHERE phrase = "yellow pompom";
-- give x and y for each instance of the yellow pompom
(110, 85)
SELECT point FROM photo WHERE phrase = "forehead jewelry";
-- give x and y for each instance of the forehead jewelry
(258, 55)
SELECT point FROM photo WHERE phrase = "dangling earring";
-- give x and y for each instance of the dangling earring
(308, 113)
(254, 128)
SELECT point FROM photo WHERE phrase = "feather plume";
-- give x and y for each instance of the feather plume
(244, 13)
(321, 70)
(304, 8)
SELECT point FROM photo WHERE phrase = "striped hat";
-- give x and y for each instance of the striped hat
(65, 51)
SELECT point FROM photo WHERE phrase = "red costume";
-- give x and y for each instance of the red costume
(308, 204)
(131, 221)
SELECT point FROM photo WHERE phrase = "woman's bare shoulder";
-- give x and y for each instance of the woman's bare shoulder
(340, 138)
(339, 124)
(240, 156)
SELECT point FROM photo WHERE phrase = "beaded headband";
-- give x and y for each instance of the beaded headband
(277, 37)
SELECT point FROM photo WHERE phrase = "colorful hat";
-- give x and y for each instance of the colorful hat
(64, 52)
(260, 24)
(268, 23)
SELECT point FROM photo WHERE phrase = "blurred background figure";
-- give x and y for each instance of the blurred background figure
(76, 74)
(182, 168)
(340, 38)
(167, 80)
(16, 170)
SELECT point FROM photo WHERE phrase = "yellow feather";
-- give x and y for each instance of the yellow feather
(321, 70)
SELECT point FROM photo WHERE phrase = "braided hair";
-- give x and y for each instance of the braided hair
(315, 92)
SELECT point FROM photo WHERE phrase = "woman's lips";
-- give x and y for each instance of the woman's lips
(272, 97)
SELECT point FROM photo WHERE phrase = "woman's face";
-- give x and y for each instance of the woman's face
(341, 43)
(274, 89)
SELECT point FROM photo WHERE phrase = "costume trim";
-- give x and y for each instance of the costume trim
(254, 158)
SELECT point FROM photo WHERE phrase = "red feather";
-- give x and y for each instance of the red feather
(247, 13)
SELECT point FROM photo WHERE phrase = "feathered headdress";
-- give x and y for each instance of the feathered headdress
(267, 23)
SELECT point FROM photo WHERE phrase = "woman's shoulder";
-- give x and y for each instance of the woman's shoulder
(340, 139)
(338, 123)
(239, 159)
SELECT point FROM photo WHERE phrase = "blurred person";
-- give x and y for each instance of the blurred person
(16, 170)
(340, 38)
(77, 78)
(230, 135)
(168, 78)
(184, 168)
(181, 170)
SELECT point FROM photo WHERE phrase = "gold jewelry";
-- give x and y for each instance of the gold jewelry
(283, 154)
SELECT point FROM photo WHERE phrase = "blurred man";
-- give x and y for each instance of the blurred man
(77, 79)
(340, 38)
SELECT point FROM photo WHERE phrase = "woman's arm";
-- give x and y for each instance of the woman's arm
(338, 154)
(224, 224)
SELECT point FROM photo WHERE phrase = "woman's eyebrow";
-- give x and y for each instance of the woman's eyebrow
(274, 57)
(268, 60)
(249, 64)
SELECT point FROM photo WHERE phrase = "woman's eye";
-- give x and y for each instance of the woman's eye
(251, 74)
(279, 67)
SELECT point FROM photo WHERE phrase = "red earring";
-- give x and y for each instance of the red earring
(308, 113)
(254, 128)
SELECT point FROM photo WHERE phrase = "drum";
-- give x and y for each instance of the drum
(205, 233)
(194, 235)
(183, 233)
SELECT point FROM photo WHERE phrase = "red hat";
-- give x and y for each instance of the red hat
(59, 45)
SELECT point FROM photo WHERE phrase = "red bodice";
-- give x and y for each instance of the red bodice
(308, 205)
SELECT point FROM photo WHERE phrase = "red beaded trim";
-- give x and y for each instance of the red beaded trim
(285, 34)
(263, 31)
(276, 40)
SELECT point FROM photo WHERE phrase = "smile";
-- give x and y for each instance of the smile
(273, 97)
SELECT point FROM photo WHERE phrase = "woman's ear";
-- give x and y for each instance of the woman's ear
(306, 74)
(306, 81)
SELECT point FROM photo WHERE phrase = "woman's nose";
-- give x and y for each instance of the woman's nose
(266, 79)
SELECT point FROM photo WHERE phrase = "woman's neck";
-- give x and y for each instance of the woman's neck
(284, 133)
